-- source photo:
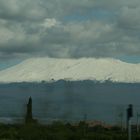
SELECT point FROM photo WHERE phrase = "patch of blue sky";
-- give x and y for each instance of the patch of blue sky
(130, 59)
(8, 63)
(93, 14)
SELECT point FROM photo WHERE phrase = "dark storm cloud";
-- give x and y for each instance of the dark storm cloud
(76, 28)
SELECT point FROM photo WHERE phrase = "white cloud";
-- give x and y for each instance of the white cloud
(50, 22)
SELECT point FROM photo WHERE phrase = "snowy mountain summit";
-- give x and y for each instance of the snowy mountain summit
(48, 69)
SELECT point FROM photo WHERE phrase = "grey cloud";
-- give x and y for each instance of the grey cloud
(21, 10)
(129, 18)
(25, 32)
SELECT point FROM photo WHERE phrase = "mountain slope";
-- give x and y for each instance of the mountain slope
(38, 69)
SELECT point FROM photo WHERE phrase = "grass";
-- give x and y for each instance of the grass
(61, 131)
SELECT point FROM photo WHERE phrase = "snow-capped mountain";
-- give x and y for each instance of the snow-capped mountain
(48, 69)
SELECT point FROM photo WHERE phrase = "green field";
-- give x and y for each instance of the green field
(62, 131)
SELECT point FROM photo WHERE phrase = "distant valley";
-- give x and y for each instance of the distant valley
(69, 100)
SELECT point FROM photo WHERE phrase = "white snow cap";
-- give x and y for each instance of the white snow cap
(48, 69)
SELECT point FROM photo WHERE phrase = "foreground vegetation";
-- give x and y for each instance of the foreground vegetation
(61, 131)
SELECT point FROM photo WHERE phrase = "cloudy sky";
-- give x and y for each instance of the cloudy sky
(69, 29)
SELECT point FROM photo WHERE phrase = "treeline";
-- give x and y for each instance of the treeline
(62, 131)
